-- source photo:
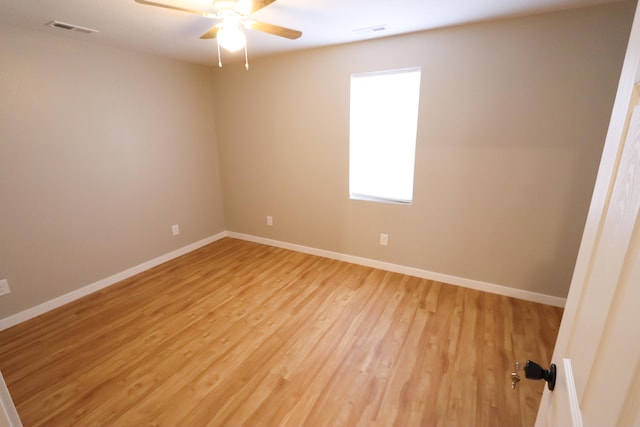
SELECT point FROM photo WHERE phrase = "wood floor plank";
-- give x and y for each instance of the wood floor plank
(238, 333)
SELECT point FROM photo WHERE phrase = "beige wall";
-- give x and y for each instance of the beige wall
(101, 151)
(513, 116)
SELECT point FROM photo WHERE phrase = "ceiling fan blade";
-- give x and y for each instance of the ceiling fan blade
(248, 7)
(181, 9)
(256, 5)
(276, 30)
(211, 34)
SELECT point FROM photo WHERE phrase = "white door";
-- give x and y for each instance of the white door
(599, 337)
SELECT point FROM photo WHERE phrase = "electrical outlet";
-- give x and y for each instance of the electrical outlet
(4, 287)
(175, 229)
(269, 220)
(384, 239)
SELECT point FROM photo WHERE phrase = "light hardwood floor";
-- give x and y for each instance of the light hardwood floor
(238, 333)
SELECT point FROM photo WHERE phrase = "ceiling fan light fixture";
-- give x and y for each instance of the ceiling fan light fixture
(230, 36)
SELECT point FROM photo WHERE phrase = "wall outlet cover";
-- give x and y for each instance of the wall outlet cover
(4, 287)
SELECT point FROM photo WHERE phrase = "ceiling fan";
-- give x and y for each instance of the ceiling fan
(234, 16)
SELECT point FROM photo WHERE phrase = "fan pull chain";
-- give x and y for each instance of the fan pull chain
(246, 58)
(219, 57)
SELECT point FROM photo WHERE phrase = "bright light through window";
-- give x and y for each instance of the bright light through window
(382, 139)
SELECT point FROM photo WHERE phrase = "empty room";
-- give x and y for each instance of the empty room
(353, 213)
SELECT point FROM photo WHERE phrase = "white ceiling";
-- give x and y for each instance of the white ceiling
(175, 34)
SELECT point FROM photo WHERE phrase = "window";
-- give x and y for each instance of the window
(382, 135)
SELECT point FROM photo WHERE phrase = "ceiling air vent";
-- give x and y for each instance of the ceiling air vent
(71, 27)
(374, 29)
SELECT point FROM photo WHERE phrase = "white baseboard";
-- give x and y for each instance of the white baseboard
(411, 271)
(32, 312)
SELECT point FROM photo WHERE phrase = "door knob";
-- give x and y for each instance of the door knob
(533, 371)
